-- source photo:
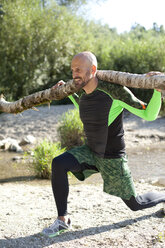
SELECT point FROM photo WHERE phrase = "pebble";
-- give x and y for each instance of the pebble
(99, 220)
(30, 207)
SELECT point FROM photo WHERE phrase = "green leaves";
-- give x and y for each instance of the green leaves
(71, 134)
(43, 156)
(35, 47)
(39, 39)
(70, 130)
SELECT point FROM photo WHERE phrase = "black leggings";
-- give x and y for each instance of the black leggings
(67, 162)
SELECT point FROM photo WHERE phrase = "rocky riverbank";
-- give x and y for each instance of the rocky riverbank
(98, 220)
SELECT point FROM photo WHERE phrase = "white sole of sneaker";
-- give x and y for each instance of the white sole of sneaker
(54, 234)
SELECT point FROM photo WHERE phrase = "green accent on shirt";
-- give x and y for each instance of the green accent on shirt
(123, 98)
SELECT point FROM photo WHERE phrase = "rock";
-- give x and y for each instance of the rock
(29, 139)
(2, 137)
(141, 181)
(161, 181)
(5, 143)
(17, 158)
(1, 144)
(15, 148)
(158, 181)
(11, 145)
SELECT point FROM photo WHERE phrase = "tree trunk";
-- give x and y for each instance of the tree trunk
(46, 96)
(38, 98)
(134, 80)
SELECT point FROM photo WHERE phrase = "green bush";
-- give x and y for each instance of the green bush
(70, 130)
(37, 46)
(42, 158)
(39, 39)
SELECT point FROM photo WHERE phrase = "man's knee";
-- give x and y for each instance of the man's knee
(132, 204)
(57, 163)
(134, 207)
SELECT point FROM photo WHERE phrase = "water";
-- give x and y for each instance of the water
(13, 171)
(143, 162)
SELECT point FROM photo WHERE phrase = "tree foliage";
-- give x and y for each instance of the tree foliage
(40, 37)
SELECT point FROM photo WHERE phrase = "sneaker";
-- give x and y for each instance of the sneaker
(56, 228)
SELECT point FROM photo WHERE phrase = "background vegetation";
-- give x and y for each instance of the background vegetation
(71, 134)
(39, 39)
(70, 130)
(43, 156)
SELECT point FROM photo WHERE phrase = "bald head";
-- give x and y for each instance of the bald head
(86, 57)
(84, 67)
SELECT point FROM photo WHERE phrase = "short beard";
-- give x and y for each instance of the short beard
(84, 83)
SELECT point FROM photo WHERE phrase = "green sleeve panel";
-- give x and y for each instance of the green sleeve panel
(122, 93)
(123, 98)
(75, 98)
(116, 92)
(115, 110)
(152, 110)
(150, 113)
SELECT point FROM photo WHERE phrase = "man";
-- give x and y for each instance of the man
(101, 111)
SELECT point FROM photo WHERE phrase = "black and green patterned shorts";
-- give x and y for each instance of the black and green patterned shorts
(115, 172)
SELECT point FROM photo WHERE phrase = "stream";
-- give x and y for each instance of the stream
(144, 162)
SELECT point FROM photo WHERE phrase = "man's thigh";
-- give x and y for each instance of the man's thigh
(86, 159)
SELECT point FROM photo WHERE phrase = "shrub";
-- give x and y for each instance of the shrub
(70, 130)
(42, 158)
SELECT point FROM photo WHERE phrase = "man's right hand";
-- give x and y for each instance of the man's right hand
(61, 82)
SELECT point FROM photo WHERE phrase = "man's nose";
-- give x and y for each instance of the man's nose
(74, 74)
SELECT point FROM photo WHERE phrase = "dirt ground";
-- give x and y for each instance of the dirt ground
(98, 220)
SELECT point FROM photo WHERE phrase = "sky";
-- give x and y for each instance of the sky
(123, 14)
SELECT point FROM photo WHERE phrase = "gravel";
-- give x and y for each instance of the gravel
(41, 124)
(98, 219)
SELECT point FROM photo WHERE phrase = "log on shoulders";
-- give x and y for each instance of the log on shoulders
(133, 80)
(38, 98)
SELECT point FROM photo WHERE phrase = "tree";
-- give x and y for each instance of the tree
(37, 45)
(33, 47)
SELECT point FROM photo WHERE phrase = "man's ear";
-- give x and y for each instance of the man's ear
(93, 69)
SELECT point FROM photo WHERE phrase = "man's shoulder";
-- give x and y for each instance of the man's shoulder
(109, 85)
(112, 89)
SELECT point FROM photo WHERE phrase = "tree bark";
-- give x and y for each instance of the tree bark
(46, 96)
(38, 98)
(134, 80)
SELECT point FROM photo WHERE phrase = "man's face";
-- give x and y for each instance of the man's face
(81, 71)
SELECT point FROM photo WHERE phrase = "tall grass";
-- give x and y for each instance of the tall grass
(42, 158)
(70, 130)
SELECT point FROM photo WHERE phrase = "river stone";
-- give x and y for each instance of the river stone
(14, 147)
(161, 181)
(17, 158)
(11, 145)
(5, 143)
(2, 137)
(29, 139)
(158, 181)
